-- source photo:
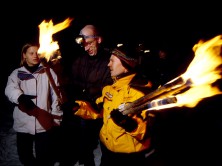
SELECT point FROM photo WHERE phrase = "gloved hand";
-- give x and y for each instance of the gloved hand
(25, 102)
(123, 121)
(86, 110)
(70, 106)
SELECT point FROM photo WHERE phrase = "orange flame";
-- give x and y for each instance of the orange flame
(203, 71)
(46, 30)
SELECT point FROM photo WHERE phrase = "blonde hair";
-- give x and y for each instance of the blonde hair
(24, 50)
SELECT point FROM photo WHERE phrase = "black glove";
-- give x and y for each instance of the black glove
(25, 102)
(70, 106)
(123, 121)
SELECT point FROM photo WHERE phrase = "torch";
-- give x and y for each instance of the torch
(49, 49)
(162, 94)
(189, 88)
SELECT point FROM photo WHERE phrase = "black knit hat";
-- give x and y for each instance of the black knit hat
(126, 53)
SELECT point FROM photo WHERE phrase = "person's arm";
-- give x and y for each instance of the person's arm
(12, 89)
(124, 121)
(135, 125)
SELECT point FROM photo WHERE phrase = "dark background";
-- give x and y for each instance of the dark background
(174, 29)
(187, 135)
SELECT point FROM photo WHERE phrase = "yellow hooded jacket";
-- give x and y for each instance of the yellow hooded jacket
(114, 137)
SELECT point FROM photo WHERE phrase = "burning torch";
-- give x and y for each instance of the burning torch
(189, 88)
(49, 49)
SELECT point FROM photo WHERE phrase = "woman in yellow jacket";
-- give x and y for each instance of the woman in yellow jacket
(124, 138)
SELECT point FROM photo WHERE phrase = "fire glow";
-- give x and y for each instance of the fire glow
(189, 88)
(46, 31)
(49, 49)
(203, 71)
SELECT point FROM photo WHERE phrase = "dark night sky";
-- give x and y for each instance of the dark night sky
(161, 28)
(174, 28)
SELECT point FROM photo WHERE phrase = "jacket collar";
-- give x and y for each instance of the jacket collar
(122, 80)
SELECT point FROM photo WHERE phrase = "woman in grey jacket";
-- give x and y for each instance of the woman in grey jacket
(37, 108)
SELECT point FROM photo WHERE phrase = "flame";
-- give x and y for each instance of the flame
(203, 71)
(46, 30)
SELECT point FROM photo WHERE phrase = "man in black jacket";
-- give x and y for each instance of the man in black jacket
(90, 74)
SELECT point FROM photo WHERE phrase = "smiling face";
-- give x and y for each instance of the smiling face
(116, 66)
(91, 40)
(91, 46)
